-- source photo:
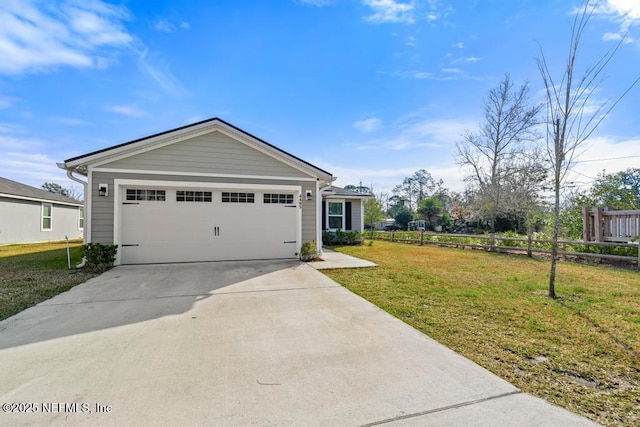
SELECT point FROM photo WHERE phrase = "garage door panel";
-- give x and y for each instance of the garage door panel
(172, 231)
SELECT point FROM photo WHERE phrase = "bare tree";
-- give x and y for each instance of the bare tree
(498, 148)
(71, 191)
(415, 187)
(571, 119)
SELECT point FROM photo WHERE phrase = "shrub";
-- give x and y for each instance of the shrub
(339, 237)
(99, 257)
(308, 251)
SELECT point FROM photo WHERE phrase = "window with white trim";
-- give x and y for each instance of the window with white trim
(81, 218)
(148, 195)
(193, 196)
(335, 215)
(47, 217)
(232, 197)
(286, 199)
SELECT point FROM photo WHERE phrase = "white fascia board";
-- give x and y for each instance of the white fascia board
(35, 199)
(200, 174)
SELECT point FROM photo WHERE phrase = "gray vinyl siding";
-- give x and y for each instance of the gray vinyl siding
(21, 222)
(102, 211)
(356, 214)
(210, 153)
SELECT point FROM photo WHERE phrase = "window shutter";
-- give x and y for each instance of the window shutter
(324, 215)
(347, 216)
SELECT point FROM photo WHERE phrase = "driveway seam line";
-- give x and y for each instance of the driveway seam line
(442, 409)
(185, 295)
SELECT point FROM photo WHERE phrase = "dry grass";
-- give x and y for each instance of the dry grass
(30, 274)
(581, 351)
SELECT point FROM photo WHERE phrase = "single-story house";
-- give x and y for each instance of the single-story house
(207, 191)
(343, 209)
(30, 215)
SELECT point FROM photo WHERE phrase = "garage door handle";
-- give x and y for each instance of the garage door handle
(216, 231)
(290, 241)
(130, 245)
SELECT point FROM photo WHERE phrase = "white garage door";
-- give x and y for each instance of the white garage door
(199, 224)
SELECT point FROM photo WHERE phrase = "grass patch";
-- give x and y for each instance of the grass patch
(581, 351)
(32, 273)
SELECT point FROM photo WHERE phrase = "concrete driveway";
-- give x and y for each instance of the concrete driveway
(240, 343)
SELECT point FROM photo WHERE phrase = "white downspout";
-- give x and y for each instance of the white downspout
(84, 185)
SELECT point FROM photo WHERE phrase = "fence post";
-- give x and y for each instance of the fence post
(529, 243)
(393, 235)
(421, 237)
(638, 255)
(492, 242)
(586, 224)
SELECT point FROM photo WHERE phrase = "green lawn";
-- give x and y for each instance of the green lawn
(30, 274)
(581, 351)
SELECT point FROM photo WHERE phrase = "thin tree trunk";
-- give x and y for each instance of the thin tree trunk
(554, 241)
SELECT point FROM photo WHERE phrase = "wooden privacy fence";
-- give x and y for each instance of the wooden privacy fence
(601, 225)
(528, 245)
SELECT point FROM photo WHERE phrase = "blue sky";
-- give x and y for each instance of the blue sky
(370, 90)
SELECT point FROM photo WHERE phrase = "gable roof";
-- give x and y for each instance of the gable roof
(16, 190)
(79, 163)
(340, 193)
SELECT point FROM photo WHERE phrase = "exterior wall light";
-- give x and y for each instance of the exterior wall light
(103, 190)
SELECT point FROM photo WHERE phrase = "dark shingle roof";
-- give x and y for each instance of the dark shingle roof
(341, 192)
(17, 189)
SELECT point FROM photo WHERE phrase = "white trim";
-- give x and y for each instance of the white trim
(35, 199)
(88, 208)
(200, 174)
(118, 185)
(81, 217)
(361, 217)
(42, 217)
(318, 218)
(344, 214)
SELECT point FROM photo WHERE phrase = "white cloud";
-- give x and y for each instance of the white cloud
(416, 131)
(630, 9)
(604, 153)
(161, 74)
(390, 11)
(459, 45)
(383, 180)
(164, 26)
(368, 125)
(626, 13)
(467, 59)
(126, 110)
(6, 101)
(34, 38)
(69, 121)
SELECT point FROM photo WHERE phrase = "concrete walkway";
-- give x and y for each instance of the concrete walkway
(333, 259)
(240, 343)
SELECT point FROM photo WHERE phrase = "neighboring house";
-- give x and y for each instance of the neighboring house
(30, 215)
(343, 209)
(205, 192)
